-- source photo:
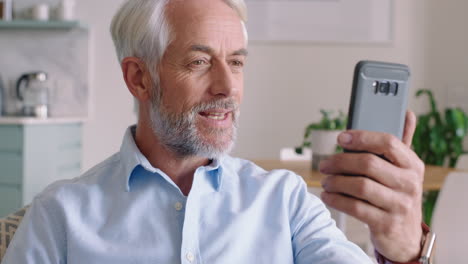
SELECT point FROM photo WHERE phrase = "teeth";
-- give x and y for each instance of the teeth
(216, 116)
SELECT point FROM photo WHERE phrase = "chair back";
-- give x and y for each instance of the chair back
(450, 219)
(8, 226)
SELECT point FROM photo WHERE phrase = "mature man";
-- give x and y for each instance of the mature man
(173, 195)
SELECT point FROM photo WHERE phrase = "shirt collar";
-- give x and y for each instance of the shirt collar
(215, 173)
(131, 157)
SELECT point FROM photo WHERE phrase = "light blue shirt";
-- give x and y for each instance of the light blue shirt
(126, 211)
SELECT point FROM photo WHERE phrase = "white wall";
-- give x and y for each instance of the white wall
(111, 102)
(447, 51)
(286, 85)
(446, 42)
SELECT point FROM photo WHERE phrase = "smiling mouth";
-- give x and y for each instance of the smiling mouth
(215, 115)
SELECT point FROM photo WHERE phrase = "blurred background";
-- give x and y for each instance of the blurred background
(65, 106)
(287, 84)
(287, 81)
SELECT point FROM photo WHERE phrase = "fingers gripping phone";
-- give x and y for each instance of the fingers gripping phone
(379, 97)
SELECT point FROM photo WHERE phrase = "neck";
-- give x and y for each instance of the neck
(180, 170)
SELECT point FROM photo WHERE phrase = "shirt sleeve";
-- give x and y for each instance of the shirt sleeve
(40, 238)
(315, 237)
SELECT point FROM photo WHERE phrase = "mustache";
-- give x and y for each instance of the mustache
(227, 104)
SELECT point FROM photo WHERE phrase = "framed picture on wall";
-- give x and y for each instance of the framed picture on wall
(335, 21)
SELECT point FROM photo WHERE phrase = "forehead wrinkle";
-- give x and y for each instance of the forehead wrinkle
(193, 39)
(209, 50)
(202, 48)
(241, 52)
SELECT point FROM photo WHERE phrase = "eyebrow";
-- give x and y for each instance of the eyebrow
(206, 49)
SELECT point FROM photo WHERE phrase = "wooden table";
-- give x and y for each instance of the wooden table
(433, 178)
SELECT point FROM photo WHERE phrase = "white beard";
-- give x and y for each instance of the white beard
(179, 132)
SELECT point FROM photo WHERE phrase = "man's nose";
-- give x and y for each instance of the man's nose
(223, 83)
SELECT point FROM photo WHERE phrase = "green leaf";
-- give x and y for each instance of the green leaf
(436, 139)
(438, 144)
(431, 99)
(455, 119)
(434, 110)
(466, 124)
(429, 201)
(338, 149)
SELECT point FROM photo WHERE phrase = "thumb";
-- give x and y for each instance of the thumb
(410, 127)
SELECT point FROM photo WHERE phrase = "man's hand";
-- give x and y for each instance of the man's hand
(386, 194)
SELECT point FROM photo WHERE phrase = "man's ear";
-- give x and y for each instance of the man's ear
(135, 76)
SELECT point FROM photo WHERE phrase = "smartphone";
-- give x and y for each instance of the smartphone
(379, 97)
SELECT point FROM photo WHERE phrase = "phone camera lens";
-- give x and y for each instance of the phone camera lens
(376, 87)
(384, 87)
(394, 88)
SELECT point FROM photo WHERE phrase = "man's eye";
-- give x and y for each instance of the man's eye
(237, 63)
(198, 63)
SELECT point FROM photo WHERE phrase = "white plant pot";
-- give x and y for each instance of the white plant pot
(324, 144)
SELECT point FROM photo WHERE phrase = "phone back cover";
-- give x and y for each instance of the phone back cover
(376, 111)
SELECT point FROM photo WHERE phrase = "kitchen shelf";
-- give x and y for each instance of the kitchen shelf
(17, 120)
(32, 24)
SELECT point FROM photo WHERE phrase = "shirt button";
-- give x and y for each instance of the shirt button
(178, 206)
(190, 257)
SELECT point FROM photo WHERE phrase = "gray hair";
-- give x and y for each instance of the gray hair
(140, 29)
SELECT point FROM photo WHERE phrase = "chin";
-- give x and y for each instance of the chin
(214, 143)
(216, 149)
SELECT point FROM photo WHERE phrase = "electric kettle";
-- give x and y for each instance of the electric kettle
(33, 91)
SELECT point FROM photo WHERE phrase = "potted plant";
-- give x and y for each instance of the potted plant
(322, 136)
(438, 140)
